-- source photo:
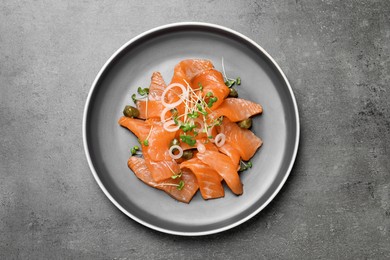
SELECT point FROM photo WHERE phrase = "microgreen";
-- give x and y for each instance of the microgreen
(218, 121)
(146, 142)
(238, 81)
(134, 98)
(193, 114)
(188, 139)
(200, 86)
(134, 150)
(143, 91)
(230, 82)
(209, 94)
(181, 185)
(176, 175)
(187, 127)
(212, 101)
(245, 166)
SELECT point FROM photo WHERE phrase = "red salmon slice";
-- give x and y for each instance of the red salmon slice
(225, 168)
(138, 127)
(232, 153)
(159, 141)
(212, 81)
(157, 86)
(141, 171)
(243, 140)
(209, 180)
(236, 109)
(160, 170)
(149, 109)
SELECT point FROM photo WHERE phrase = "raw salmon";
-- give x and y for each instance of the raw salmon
(209, 180)
(206, 98)
(165, 166)
(157, 86)
(149, 108)
(243, 140)
(212, 81)
(236, 109)
(186, 70)
(225, 168)
(140, 169)
(159, 140)
(138, 127)
(232, 153)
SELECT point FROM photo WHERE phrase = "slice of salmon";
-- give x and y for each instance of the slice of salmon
(149, 108)
(140, 169)
(157, 86)
(236, 109)
(160, 170)
(243, 140)
(186, 70)
(232, 153)
(209, 180)
(212, 81)
(159, 143)
(138, 127)
(190, 186)
(225, 168)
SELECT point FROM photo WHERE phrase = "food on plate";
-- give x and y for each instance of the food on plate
(194, 134)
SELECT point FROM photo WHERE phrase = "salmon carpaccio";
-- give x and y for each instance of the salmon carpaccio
(188, 133)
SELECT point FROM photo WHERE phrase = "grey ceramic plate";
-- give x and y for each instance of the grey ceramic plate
(107, 144)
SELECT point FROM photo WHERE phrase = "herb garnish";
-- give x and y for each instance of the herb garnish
(188, 139)
(134, 149)
(181, 185)
(143, 91)
(245, 166)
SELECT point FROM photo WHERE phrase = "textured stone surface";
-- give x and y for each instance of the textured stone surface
(336, 203)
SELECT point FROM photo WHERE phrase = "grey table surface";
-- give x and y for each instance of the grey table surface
(336, 202)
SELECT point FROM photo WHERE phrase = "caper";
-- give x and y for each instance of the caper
(233, 93)
(187, 154)
(174, 142)
(247, 123)
(130, 111)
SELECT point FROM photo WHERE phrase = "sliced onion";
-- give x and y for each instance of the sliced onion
(201, 148)
(174, 104)
(220, 140)
(163, 113)
(175, 156)
(170, 126)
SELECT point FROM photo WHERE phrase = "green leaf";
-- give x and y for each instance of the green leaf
(200, 86)
(230, 82)
(212, 101)
(193, 114)
(177, 175)
(134, 150)
(180, 185)
(143, 91)
(238, 81)
(249, 164)
(209, 94)
(134, 98)
(187, 127)
(146, 142)
(188, 139)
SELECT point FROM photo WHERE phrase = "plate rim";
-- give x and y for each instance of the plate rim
(106, 65)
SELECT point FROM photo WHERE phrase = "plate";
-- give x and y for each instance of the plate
(107, 145)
